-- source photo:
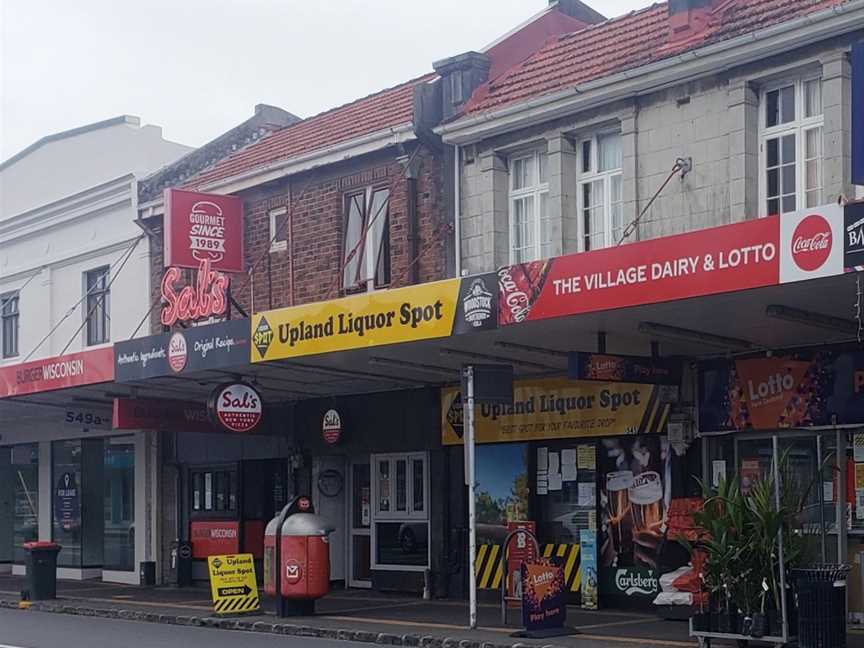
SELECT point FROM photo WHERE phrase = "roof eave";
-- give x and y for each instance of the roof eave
(792, 34)
(330, 155)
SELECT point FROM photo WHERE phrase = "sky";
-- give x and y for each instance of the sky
(198, 67)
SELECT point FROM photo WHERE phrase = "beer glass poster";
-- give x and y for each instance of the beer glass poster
(635, 491)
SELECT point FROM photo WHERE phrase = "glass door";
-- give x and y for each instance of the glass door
(360, 523)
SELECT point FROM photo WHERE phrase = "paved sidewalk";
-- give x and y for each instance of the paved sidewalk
(361, 616)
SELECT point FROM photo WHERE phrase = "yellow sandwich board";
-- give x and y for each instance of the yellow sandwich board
(232, 582)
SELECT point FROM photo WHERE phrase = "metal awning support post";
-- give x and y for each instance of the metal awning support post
(776, 470)
(471, 478)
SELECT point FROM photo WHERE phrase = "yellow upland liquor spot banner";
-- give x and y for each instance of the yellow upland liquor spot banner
(559, 408)
(421, 312)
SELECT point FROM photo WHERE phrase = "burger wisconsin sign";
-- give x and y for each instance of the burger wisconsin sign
(58, 372)
(751, 254)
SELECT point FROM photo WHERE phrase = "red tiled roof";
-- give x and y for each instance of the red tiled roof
(630, 41)
(385, 109)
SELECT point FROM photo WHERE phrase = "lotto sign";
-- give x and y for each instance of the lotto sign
(233, 584)
(203, 227)
(235, 407)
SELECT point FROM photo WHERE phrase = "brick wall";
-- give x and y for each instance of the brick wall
(316, 208)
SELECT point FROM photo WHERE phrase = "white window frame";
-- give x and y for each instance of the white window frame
(91, 295)
(277, 216)
(797, 127)
(373, 246)
(605, 177)
(10, 309)
(409, 515)
(537, 191)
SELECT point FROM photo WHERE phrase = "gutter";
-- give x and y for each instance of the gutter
(725, 55)
(321, 157)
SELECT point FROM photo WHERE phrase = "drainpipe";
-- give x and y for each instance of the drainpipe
(413, 228)
(457, 211)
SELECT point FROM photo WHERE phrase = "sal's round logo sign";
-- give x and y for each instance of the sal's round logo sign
(236, 407)
(332, 427)
(811, 243)
(177, 352)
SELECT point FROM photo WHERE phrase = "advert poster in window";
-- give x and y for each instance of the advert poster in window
(797, 390)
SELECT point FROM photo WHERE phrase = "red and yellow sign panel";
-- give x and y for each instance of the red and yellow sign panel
(58, 372)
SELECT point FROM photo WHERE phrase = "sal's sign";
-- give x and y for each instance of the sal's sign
(203, 232)
(58, 372)
(235, 407)
(198, 348)
(558, 408)
(203, 227)
(422, 312)
(751, 254)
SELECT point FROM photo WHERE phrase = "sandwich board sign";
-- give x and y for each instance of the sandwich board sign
(233, 584)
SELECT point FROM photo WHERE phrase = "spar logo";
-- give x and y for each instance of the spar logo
(177, 352)
(811, 243)
(631, 583)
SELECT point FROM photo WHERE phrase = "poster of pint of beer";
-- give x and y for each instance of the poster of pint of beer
(502, 489)
(635, 491)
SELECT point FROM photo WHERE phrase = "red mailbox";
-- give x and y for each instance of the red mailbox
(297, 558)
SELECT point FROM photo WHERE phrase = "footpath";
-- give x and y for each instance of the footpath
(356, 615)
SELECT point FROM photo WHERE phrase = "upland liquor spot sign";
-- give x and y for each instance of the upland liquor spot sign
(751, 254)
(203, 232)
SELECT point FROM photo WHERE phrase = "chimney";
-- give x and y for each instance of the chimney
(460, 76)
(689, 19)
(578, 10)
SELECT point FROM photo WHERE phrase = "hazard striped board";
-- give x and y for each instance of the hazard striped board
(489, 566)
(232, 605)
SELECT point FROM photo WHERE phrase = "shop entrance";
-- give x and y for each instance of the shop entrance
(328, 497)
(360, 523)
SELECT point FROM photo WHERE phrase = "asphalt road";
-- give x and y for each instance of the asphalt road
(42, 630)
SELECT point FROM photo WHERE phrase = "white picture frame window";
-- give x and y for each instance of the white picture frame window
(791, 145)
(278, 237)
(528, 204)
(600, 191)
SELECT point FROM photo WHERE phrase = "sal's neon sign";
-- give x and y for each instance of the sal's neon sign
(207, 298)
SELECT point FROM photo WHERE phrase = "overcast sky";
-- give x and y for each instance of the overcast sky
(198, 67)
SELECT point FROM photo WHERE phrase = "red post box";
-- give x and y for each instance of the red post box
(297, 558)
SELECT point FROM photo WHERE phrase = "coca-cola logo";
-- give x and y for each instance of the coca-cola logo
(515, 299)
(811, 243)
(177, 352)
(236, 407)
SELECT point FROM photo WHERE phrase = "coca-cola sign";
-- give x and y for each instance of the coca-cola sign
(235, 407)
(811, 243)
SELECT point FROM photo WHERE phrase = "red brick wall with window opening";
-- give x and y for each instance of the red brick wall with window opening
(316, 203)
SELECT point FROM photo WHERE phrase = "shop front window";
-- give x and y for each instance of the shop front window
(78, 502)
(25, 502)
(120, 504)
(502, 489)
(401, 522)
(214, 491)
